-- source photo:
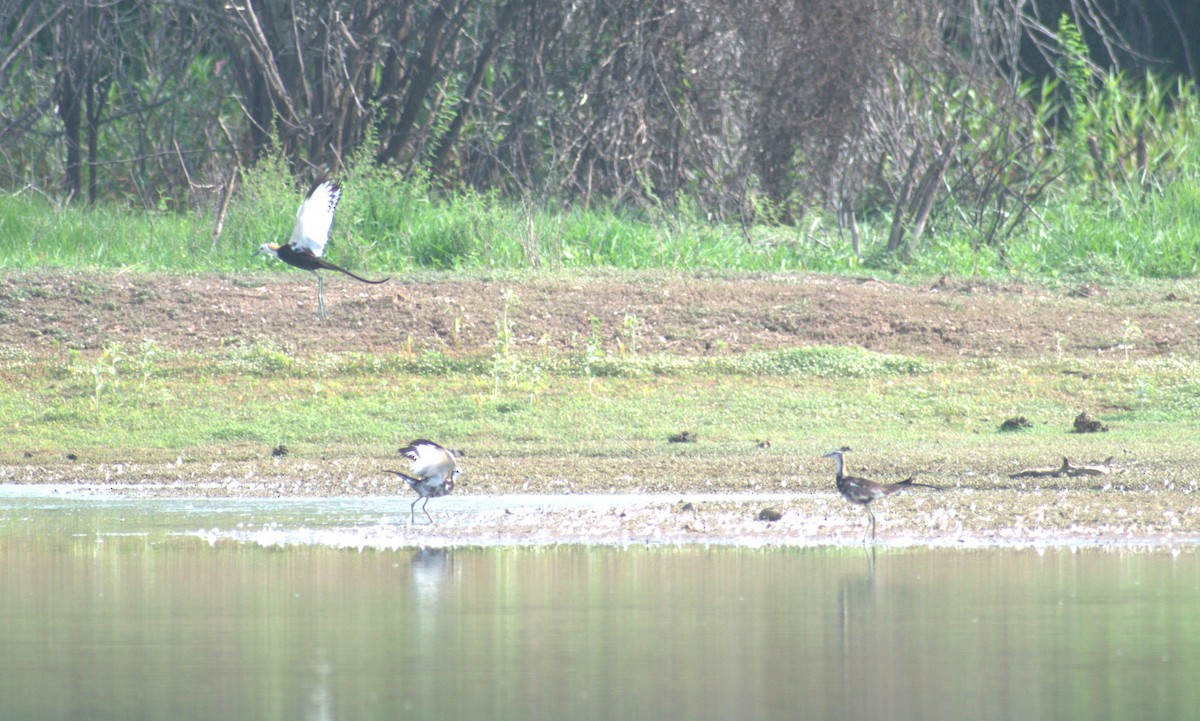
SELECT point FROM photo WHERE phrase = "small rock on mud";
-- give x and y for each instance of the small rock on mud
(1086, 424)
(1016, 423)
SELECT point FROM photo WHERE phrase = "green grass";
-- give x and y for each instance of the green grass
(149, 400)
(387, 224)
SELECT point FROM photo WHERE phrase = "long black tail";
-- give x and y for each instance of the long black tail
(405, 476)
(909, 482)
(331, 266)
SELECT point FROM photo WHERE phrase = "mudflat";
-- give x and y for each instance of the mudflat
(690, 496)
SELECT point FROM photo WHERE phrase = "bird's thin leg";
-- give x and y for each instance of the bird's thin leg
(412, 512)
(320, 295)
(427, 512)
(872, 517)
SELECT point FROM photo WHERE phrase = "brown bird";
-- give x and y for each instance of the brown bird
(307, 244)
(434, 471)
(864, 492)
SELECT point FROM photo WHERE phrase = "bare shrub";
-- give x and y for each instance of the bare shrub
(905, 112)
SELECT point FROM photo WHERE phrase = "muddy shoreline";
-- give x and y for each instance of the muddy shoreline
(1087, 517)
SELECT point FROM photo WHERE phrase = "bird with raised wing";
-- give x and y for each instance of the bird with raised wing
(307, 244)
(863, 492)
(434, 470)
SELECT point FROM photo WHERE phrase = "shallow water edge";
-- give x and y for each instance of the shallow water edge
(381, 523)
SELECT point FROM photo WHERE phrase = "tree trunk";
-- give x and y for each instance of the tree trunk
(70, 112)
(423, 76)
(448, 139)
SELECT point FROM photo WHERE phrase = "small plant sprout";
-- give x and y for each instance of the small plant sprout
(504, 361)
(148, 352)
(593, 353)
(627, 335)
(1130, 333)
(105, 368)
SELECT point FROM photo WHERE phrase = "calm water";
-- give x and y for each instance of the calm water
(106, 612)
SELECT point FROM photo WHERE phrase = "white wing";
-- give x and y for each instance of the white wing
(429, 460)
(314, 218)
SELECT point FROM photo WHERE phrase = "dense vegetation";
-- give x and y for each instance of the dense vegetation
(913, 136)
(386, 223)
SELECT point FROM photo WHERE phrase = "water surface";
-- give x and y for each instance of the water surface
(147, 610)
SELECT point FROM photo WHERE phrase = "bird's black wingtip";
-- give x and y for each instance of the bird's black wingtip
(419, 442)
(321, 179)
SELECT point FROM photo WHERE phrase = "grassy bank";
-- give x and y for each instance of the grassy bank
(564, 371)
(151, 404)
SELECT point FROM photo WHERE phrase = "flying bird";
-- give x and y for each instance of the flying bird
(307, 244)
(864, 492)
(434, 470)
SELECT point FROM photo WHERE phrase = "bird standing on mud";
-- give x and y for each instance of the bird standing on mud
(434, 470)
(864, 492)
(307, 243)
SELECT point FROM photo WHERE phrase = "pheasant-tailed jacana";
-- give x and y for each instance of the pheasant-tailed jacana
(434, 470)
(307, 243)
(864, 492)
